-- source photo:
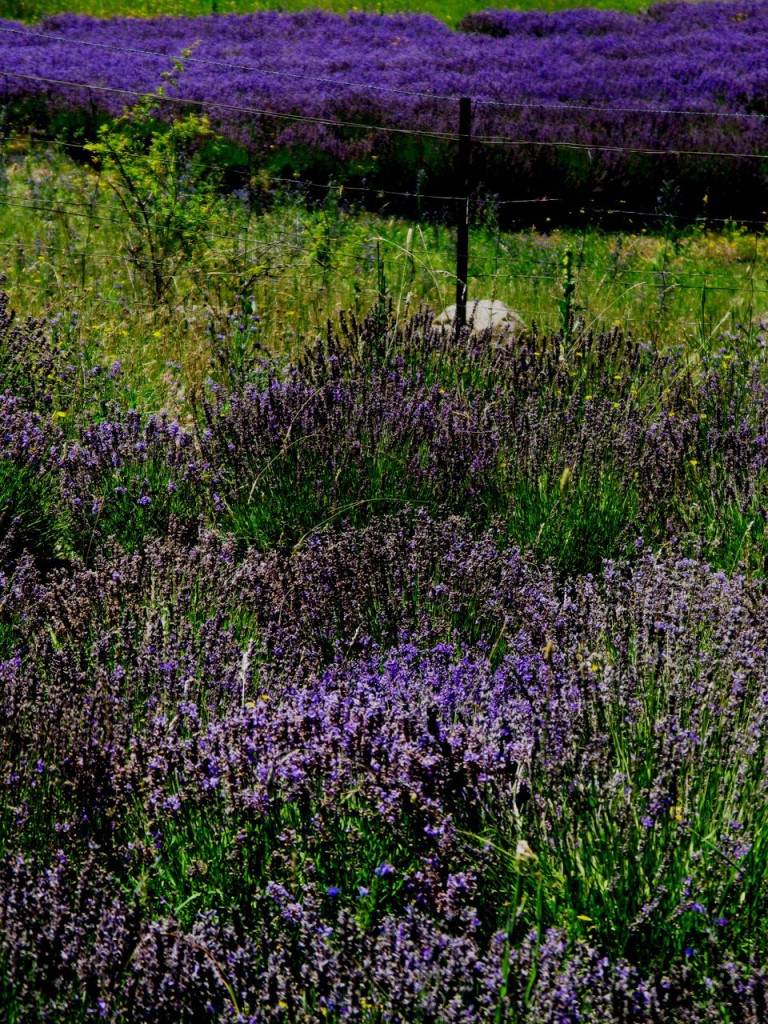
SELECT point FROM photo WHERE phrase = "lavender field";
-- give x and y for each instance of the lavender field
(314, 90)
(414, 681)
(355, 669)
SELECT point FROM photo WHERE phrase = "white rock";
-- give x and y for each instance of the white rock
(484, 315)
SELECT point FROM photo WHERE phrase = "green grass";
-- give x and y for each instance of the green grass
(613, 876)
(29, 515)
(450, 11)
(287, 265)
(575, 522)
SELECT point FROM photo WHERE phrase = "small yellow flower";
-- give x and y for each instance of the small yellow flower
(583, 917)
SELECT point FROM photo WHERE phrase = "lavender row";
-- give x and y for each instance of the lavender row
(394, 72)
(571, 453)
(207, 816)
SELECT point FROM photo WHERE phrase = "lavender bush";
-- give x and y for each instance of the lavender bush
(199, 829)
(581, 77)
(418, 680)
(571, 452)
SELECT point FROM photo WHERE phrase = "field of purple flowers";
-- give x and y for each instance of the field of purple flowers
(420, 680)
(415, 677)
(683, 78)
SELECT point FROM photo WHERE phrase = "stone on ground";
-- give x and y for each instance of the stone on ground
(486, 315)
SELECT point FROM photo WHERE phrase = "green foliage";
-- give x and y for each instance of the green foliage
(618, 878)
(575, 521)
(136, 500)
(225, 859)
(729, 532)
(30, 515)
(567, 304)
(299, 490)
(163, 181)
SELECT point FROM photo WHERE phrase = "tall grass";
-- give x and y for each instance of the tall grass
(451, 11)
(277, 264)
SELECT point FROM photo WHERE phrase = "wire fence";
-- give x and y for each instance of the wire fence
(602, 296)
(81, 208)
(509, 142)
(664, 278)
